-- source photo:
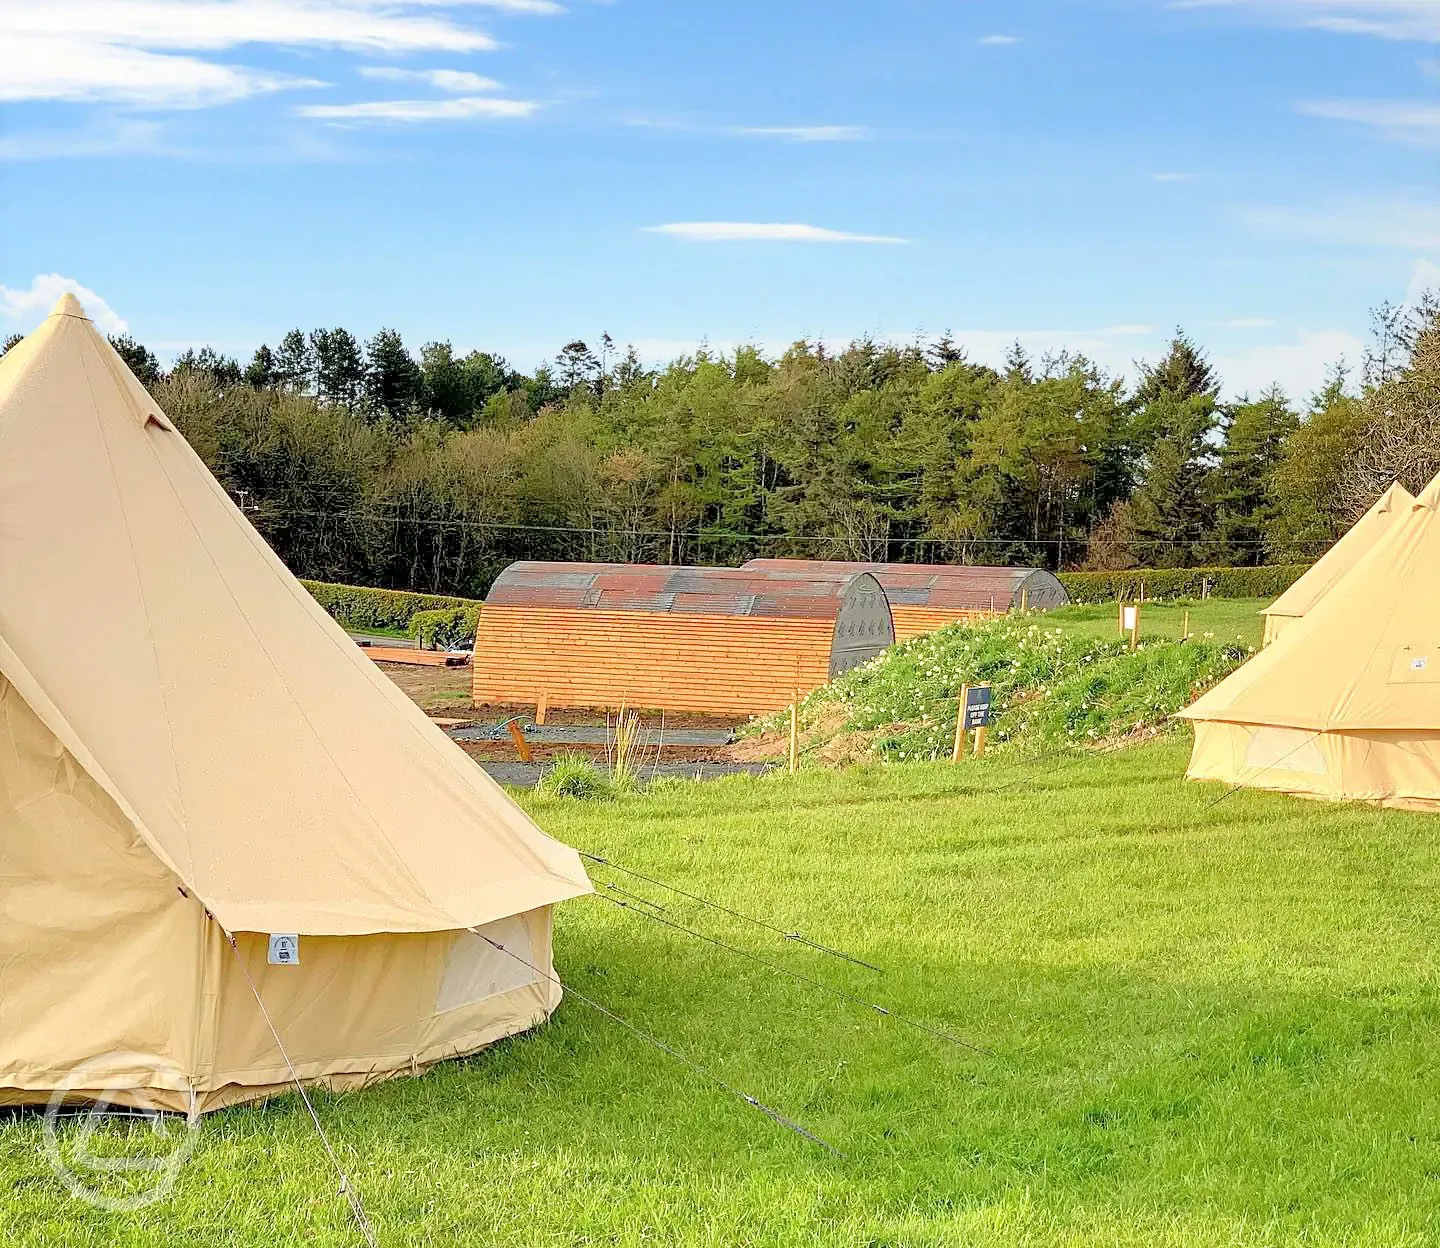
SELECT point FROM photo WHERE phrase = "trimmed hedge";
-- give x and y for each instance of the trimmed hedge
(1268, 582)
(358, 607)
(450, 629)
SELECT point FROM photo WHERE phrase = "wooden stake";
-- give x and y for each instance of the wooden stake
(1185, 636)
(542, 706)
(1024, 600)
(958, 752)
(795, 733)
(980, 733)
(522, 746)
(1135, 626)
(1120, 614)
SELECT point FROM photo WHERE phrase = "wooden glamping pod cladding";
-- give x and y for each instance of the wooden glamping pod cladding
(718, 640)
(927, 596)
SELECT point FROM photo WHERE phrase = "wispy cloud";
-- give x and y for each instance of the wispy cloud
(111, 138)
(1172, 177)
(1424, 278)
(1417, 20)
(747, 231)
(462, 108)
(997, 41)
(1393, 223)
(162, 53)
(25, 308)
(1246, 322)
(806, 134)
(458, 80)
(1299, 366)
(1415, 121)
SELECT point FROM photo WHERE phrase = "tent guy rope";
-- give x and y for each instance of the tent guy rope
(689, 1063)
(797, 937)
(347, 1187)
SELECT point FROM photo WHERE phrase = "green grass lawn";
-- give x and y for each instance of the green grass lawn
(1211, 1025)
(1228, 618)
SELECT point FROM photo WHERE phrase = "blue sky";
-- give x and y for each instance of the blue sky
(512, 174)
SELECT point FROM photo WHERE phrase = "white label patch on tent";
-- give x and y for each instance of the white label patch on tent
(1412, 666)
(284, 949)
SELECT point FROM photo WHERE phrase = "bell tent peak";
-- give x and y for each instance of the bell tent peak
(68, 305)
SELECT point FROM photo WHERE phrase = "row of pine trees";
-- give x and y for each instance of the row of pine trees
(365, 462)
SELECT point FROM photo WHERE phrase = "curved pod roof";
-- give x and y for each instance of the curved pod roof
(962, 587)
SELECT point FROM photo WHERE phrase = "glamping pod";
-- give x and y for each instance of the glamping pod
(223, 824)
(726, 641)
(1346, 705)
(1321, 577)
(927, 596)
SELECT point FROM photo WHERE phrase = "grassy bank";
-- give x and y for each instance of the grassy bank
(1212, 1025)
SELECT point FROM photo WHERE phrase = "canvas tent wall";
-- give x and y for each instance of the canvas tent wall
(1347, 704)
(191, 750)
(714, 640)
(1322, 576)
(927, 596)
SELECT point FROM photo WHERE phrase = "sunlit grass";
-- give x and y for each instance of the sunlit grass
(1212, 1026)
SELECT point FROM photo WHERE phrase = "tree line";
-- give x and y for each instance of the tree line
(362, 461)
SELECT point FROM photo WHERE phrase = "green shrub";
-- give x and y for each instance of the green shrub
(450, 629)
(1268, 582)
(1051, 687)
(574, 775)
(358, 607)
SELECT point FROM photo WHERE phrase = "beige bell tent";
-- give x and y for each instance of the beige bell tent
(1347, 705)
(190, 748)
(1321, 577)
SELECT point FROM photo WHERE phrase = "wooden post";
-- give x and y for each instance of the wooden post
(1120, 614)
(980, 732)
(958, 752)
(542, 706)
(795, 733)
(522, 746)
(1024, 600)
(1142, 591)
(1185, 634)
(1135, 626)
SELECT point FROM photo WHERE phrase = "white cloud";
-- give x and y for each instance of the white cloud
(24, 309)
(111, 138)
(1424, 277)
(1389, 114)
(457, 80)
(1299, 366)
(806, 134)
(1172, 177)
(1402, 121)
(150, 52)
(1384, 19)
(1398, 223)
(997, 41)
(459, 109)
(745, 231)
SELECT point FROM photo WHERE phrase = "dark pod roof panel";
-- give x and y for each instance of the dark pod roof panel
(936, 585)
(815, 594)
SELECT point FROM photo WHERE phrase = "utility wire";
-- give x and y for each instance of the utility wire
(839, 993)
(705, 1072)
(347, 1188)
(797, 937)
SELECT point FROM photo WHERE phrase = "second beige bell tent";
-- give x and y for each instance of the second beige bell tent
(208, 793)
(1322, 576)
(1347, 705)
